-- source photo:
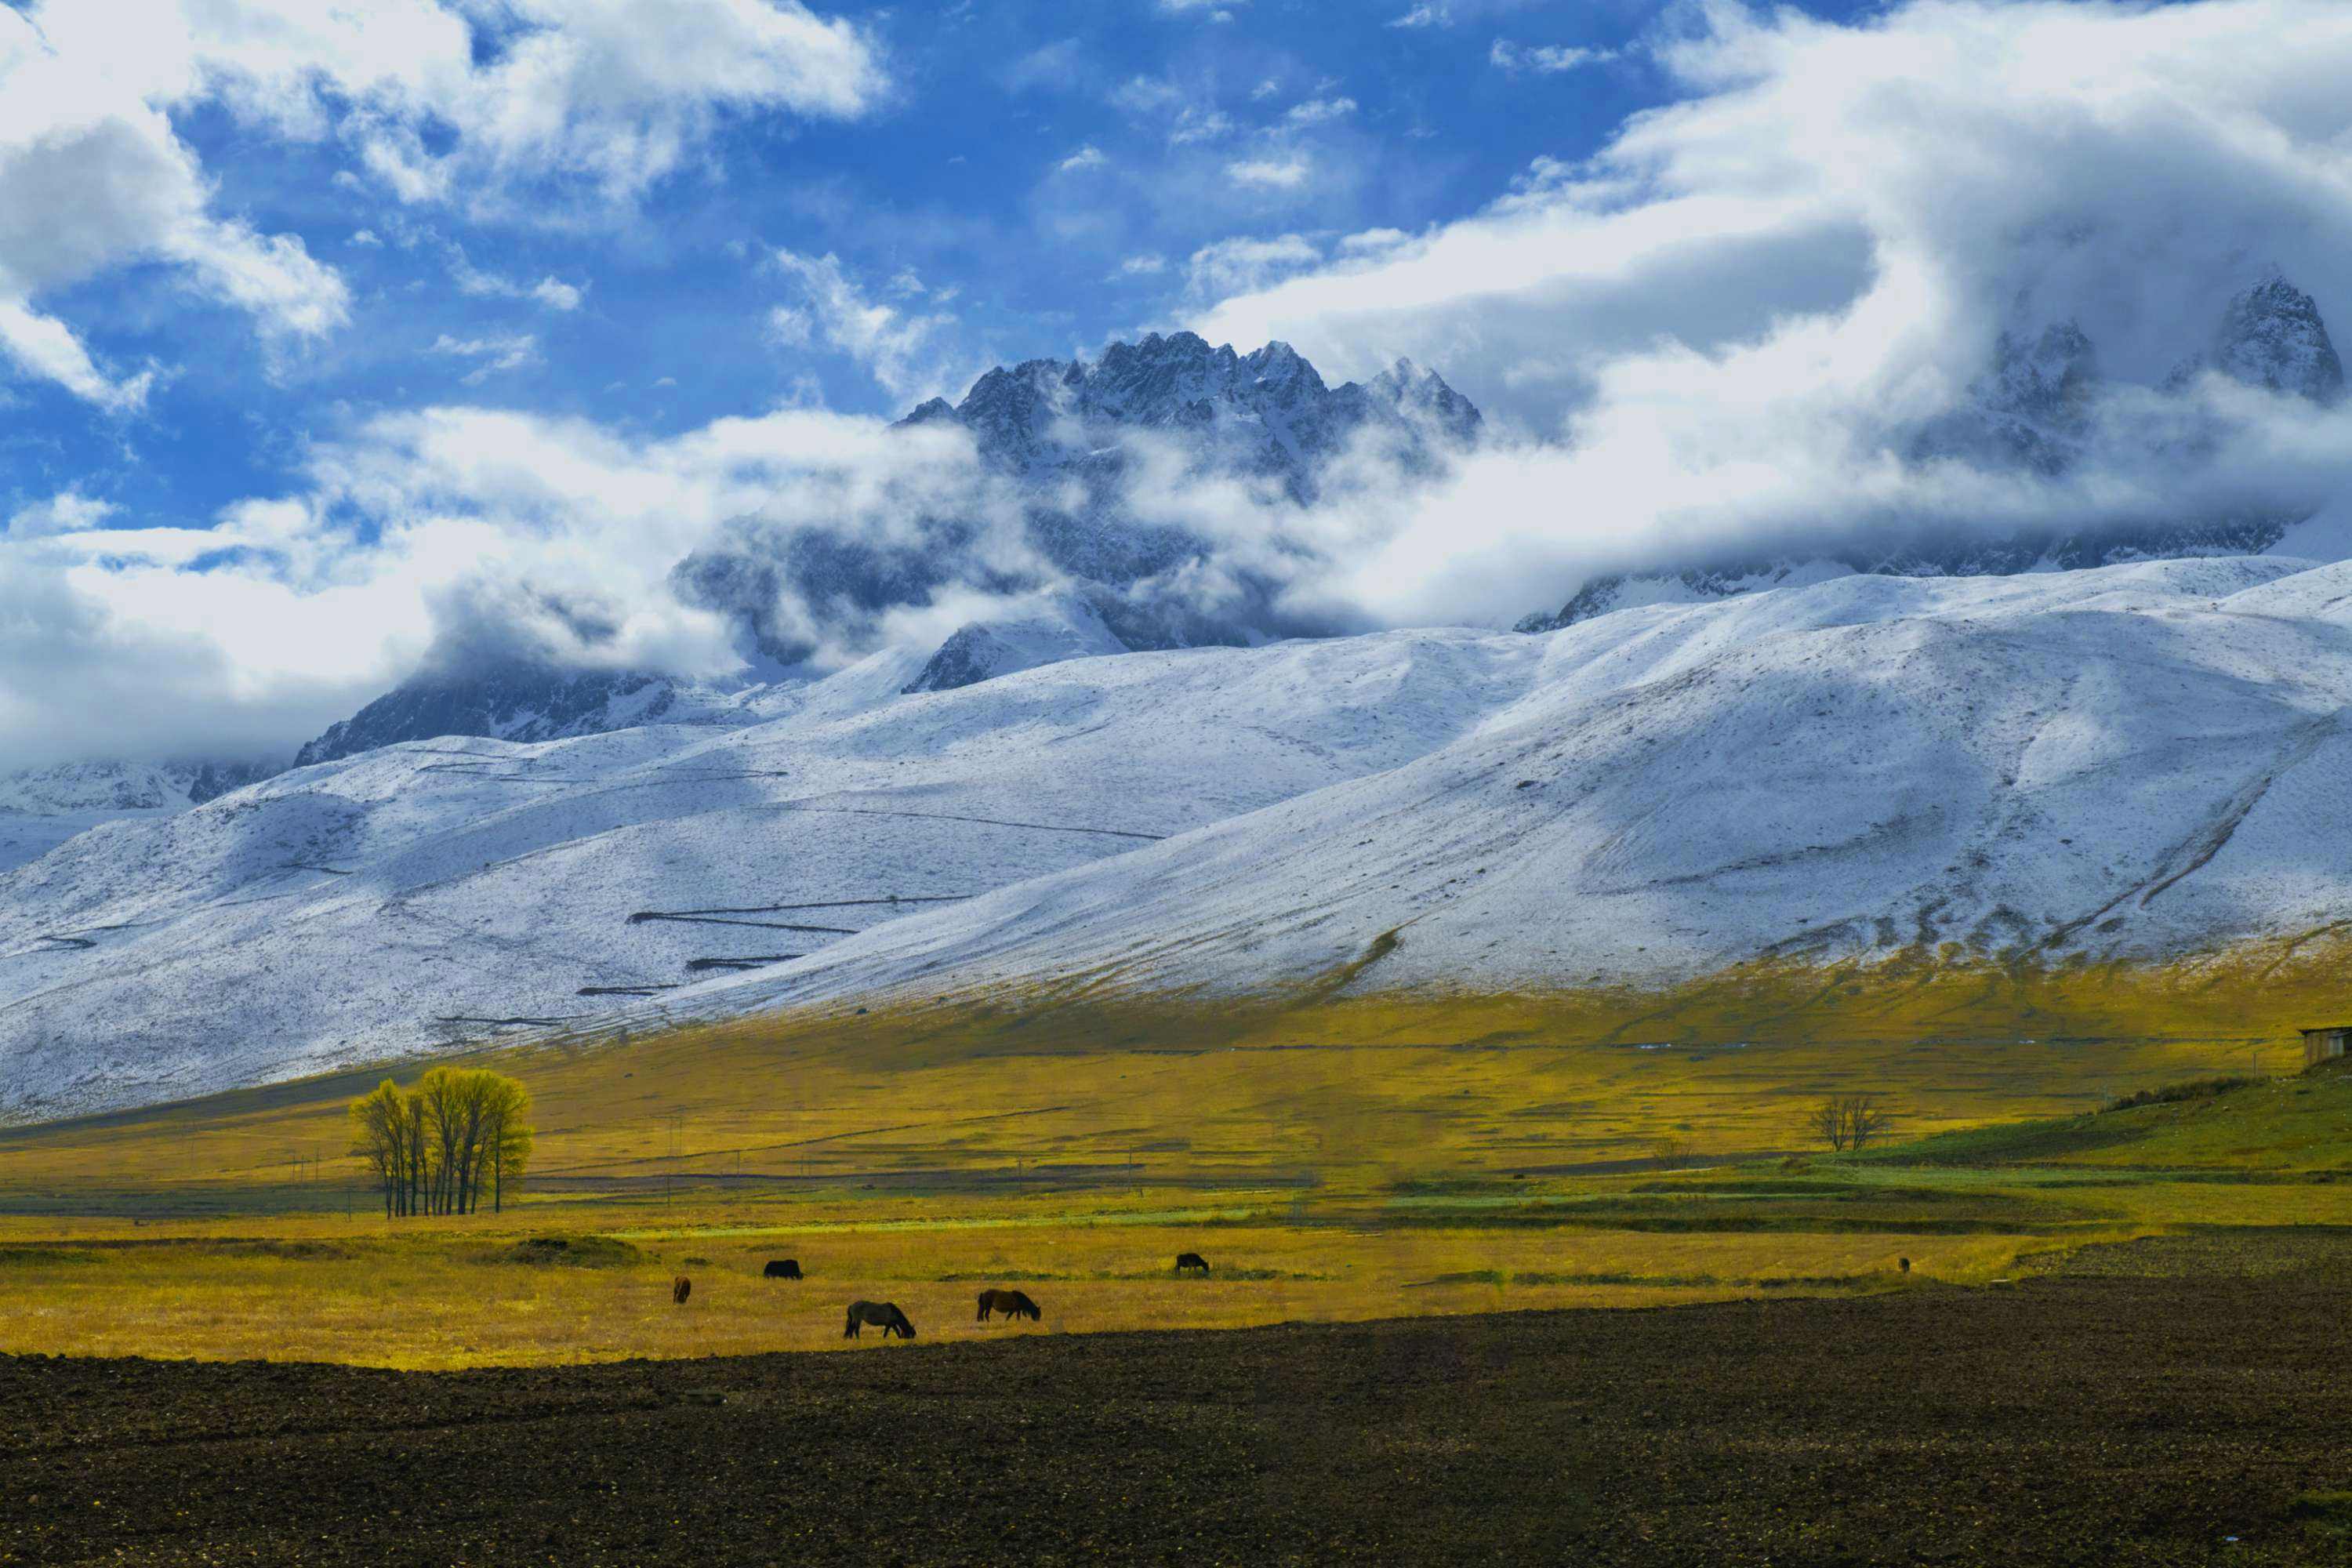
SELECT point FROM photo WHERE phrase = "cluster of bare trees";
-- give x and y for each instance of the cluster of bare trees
(1849, 1120)
(462, 1135)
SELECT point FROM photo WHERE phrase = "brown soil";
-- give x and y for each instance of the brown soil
(2101, 1415)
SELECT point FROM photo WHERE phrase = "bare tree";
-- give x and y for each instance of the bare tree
(1867, 1119)
(1849, 1120)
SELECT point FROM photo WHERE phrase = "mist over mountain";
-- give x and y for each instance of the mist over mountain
(2042, 415)
(1035, 511)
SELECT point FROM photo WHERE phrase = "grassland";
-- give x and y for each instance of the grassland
(1346, 1161)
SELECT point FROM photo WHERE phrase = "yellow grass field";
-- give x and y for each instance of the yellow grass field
(1335, 1158)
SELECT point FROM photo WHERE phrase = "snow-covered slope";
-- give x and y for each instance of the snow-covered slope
(40, 808)
(2134, 762)
(408, 896)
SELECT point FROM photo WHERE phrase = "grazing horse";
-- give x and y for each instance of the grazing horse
(782, 1268)
(1191, 1260)
(680, 1289)
(883, 1315)
(1011, 1303)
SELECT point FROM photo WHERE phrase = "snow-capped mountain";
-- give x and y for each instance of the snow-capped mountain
(2033, 412)
(1267, 413)
(2131, 763)
(2137, 763)
(517, 703)
(40, 808)
(1043, 424)
(2272, 337)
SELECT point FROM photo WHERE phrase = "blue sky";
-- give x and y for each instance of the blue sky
(954, 179)
(327, 332)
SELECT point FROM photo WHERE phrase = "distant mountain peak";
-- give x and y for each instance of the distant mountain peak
(2033, 413)
(2271, 336)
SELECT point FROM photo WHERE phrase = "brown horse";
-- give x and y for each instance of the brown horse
(1011, 1303)
(883, 1315)
(680, 1289)
(1191, 1260)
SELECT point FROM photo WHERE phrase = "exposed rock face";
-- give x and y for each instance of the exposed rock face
(517, 704)
(2033, 414)
(2272, 337)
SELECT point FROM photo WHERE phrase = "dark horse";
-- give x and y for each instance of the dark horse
(1190, 1260)
(680, 1289)
(1011, 1303)
(883, 1315)
(782, 1268)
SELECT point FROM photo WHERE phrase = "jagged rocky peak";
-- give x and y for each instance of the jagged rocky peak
(1270, 409)
(2271, 336)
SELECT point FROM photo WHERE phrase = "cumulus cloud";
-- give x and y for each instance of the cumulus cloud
(1086, 157)
(439, 99)
(1275, 171)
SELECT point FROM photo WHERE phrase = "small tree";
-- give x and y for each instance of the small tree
(1849, 1120)
(434, 1148)
(1866, 1120)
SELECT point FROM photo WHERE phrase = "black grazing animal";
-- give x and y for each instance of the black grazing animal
(1011, 1303)
(883, 1315)
(782, 1268)
(1190, 1260)
(1905, 1264)
(680, 1289)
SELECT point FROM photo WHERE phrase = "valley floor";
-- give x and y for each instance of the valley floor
(2172, 1401)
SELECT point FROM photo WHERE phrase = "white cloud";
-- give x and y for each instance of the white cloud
(1276, 172)
(1195, 125)
(903, 353)
(366, 239)
(1086, 157)
(551, 292)
(1147, 265)
(1424, 16)
(509, 352)
(1373, 240)
(789, 328)
(67, 512)
(1318, 112)
(1547, 59)
(1215, 10)
(1231, 266)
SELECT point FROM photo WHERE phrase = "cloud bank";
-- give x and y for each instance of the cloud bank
(1721, 322)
